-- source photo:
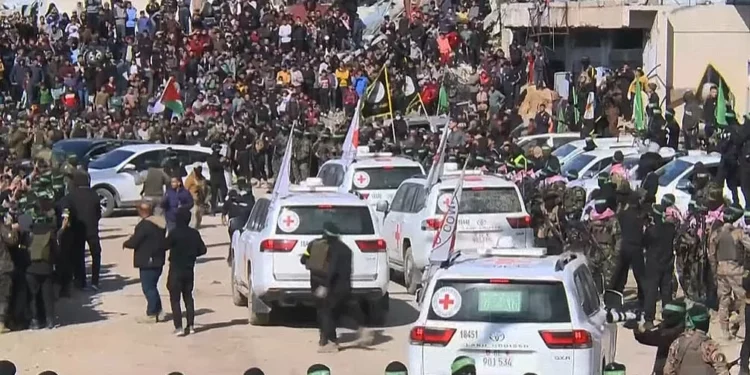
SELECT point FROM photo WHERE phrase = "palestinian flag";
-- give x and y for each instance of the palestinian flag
(377, 98)
(170, 98)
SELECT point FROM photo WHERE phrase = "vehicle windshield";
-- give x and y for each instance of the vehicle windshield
(61, 150)
(479, 200)
(111, 159)
(671, 171)
(577, 164)
(350, 220)
(382, 178)
(507, 301)
(564, 151)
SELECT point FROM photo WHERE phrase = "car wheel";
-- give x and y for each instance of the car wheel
(106, 201)
(377, 310)
(237, 298)
(411, 275)
(256, 318)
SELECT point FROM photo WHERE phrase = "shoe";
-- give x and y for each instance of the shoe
(364, 337)
(3, 328)
(331, 347)
(161, 317)
(148, 319)
(51, 324)
(179, 332)
(34, 325)
(94, 288)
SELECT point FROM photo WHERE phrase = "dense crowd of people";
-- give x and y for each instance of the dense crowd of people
(245, 73)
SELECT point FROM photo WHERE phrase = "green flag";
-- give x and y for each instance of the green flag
(721, 107)
(639, 118)
(443, 105)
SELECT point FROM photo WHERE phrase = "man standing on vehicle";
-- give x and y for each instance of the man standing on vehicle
(329, 261)
(659, 240)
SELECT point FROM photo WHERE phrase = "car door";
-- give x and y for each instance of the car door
(594, 315)
(391, 224)
(129, 184)
(249, 236)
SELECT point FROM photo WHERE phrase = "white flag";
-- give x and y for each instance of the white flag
(351, 142)
(445, 239)
(437, 162)
(281, 187)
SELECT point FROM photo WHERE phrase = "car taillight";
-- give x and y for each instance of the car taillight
(371, 246)
(277, 246)
(575, 339)
(520, 222)
(431, 336)
(432, 224)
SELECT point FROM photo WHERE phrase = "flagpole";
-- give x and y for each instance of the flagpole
(390, 104)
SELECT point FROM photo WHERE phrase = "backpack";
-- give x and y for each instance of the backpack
(574, 199)
(318, 260)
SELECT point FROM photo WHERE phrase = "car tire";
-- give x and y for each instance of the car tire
(256, 318)
(411, 277)
(106, 201)
(237, 298)
(377, 311)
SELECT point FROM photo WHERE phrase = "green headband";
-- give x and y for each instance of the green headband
(320, 372)
(396, 373)
(461, 363)
(600, 201)
(674, 308)
(668, 201)
(614, 372)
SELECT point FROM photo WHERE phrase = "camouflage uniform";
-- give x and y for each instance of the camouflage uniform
(301, 155)
(695, 353)
(729, 246)
(602, 254)
(8, 238)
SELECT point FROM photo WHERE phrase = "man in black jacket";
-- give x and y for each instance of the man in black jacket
(238, 206)
(632, 222)
(658, 240)
(185, 245)
(662, 336)
(332, 288)
(218, 181)
(81, 215)
(148, 241)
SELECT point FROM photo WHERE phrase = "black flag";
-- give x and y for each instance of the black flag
(377, 98)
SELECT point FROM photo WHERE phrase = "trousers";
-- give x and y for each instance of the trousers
(331, 309)
(79, 255)
(41, 286)
(6, 288)
(218, 191)
(745, 350)
(658, 283)
(729, 289)
(180, 283)
(627, 259)
(149, 285)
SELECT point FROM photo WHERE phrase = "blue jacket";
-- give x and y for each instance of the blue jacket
(174, 199)
(360, 85)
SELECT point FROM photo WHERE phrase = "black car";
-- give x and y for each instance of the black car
(86, 149)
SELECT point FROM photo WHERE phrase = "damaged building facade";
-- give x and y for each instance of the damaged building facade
(677, 43)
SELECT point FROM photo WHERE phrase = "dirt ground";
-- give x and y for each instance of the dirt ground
(99, 334)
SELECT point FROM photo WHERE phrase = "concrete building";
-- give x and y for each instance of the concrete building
(674, 42)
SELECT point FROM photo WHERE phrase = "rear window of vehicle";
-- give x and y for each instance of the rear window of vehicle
(564, 151)
(577, 164)
(482, 201)
(382, 178)
(670, 171)
(309, 220)
(500, 301)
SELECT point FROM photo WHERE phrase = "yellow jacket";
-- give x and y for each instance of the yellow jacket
(197, 187)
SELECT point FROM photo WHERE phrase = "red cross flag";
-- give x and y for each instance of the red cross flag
(351, 142)
(437, 162)
(445, 239)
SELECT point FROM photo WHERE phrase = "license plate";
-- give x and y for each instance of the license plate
(484, 238)
(496, 361)
(376, 196)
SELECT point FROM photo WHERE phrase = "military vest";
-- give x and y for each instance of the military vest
(726, 247)
(690, 356)
(601, 231)
(40, 240)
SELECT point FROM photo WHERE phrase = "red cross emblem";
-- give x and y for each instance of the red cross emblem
(446, 301)
(361, 178)
(448, 201)
(398, 235)
(288, 221)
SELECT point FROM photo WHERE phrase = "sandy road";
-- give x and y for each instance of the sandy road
(99, 334)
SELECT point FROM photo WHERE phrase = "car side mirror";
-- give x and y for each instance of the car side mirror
(684, 185)
(382, 206)
(418, 296)
(613, 299)
(128, 168)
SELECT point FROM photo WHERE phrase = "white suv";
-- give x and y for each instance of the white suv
(375, 177)
(266, 267)
(513, 315)
(491, 210)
